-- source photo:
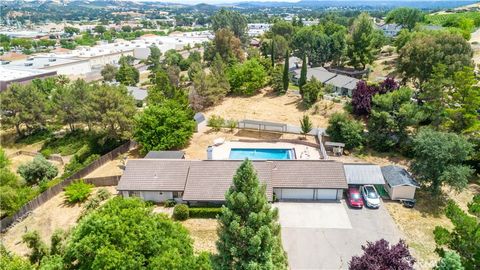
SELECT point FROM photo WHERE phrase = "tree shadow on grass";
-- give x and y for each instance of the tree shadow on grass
(429, 204)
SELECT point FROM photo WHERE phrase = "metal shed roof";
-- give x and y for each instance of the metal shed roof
(398, 176)
(363, 174)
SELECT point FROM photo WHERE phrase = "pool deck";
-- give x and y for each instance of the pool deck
(300, 151)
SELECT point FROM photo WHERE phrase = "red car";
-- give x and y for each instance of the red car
(354, 199)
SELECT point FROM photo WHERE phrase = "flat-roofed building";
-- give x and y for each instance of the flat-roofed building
(9, 76)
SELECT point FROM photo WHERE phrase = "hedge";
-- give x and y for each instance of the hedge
(205, 212)
(181, 212)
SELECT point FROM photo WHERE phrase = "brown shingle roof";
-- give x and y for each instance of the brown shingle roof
(308, 174)
(150, 174)
(210, 180)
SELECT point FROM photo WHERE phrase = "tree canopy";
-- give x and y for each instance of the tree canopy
(439, 159)
(426, 50)
(165, 126)
(406, 17)
(125, 234)
(249, 233)
(380, 255)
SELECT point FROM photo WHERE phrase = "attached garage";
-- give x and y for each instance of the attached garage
(328, 194)
(294, 193)
(319, 180)
(307, 194)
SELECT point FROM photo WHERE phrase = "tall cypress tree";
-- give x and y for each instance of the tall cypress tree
(303, 73)
(249, 233)
(286, 79)
(272, 52)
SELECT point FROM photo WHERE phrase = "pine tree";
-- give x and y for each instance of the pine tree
(272, 52)
(303, 73)
(285, 73)
(249, 233)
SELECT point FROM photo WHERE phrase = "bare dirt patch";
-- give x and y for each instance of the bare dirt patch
(16, 161)
(114, 167)
(203, 233)
(383, 67)
(268, 106)
(52, 215)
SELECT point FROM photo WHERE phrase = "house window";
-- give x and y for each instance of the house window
(177, 194)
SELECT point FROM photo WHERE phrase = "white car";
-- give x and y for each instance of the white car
(370, 196)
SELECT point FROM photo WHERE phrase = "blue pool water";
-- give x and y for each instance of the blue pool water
(260, 154)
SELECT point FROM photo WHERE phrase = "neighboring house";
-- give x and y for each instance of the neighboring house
(294, 63)
(341, 84)
(207, 181)
(139, 94)
(165, 155)
(363, 174)
(399, 183)
(390, 29)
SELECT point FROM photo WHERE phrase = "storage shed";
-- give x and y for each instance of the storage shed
(399, 183)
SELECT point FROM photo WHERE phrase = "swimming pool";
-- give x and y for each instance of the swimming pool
(261, 154)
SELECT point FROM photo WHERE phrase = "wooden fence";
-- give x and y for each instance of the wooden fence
(6, 222)
(56, 158)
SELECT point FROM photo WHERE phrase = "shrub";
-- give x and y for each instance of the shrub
(341, 128)
(204, 212)
(216, 122)
(170, 203)
(39, 169)
(103, 194)
(231, 124)
(181, 212)
(78, 191)
(311, 92)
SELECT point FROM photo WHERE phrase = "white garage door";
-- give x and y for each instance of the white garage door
(296, 193)
(326, 194)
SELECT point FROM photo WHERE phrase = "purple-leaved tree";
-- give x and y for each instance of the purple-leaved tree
(381, 256)
(388, 85)
(362, 98)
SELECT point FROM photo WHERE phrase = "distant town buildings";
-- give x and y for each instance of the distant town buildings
(87, 62)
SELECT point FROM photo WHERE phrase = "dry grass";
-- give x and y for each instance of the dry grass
(384, 66)
(203, 233)
(113, 167)
(417, 224)
(53, 214)
(268, 106)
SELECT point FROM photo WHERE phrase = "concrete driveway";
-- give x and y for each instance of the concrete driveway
(319, 235)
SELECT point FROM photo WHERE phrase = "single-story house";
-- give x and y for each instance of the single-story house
(342, 84)
(207, 181)
(399, 183)
(363, 174)
(165, 155)
(390, 29)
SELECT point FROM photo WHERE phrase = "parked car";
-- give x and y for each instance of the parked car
(370, 196)
(354, 199)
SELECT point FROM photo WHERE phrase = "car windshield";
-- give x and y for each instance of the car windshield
(372, 195)
(355, 196)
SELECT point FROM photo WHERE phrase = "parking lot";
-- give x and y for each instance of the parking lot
(325, 235)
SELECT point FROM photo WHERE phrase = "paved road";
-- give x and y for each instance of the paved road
(329, 242)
